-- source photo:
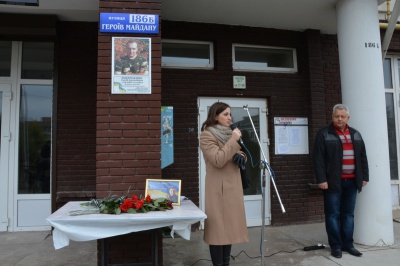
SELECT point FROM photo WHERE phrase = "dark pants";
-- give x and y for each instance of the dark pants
(220, 255)
(339, 214)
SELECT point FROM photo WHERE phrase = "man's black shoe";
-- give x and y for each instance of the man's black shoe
(337, 253)
(353, 251)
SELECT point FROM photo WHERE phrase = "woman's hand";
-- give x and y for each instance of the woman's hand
(239, 160)
(236, 134)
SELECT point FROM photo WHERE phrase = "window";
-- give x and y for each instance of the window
(37, 60)
(263, 58)
(387, 73)
(21, 2)
(5, 59)
(390, 66)
(35, 117)
(187, 54)
(35, 139)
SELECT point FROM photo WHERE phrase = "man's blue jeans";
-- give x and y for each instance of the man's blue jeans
(339, 214)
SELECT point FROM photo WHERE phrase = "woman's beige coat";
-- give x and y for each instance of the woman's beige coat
(224, 202)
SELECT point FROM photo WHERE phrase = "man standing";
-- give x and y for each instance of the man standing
(131, 63)
(341, 169)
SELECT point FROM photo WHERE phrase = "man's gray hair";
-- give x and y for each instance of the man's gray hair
(341, 106)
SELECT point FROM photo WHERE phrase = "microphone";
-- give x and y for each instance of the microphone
(233, 127)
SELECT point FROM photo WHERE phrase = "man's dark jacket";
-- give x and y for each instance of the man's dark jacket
(328, 158)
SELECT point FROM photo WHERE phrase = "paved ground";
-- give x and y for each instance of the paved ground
(283, 246)
(36, 249)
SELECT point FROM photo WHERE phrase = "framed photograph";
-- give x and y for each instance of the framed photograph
(164, 188)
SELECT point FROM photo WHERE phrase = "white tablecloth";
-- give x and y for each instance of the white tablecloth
(97, 226)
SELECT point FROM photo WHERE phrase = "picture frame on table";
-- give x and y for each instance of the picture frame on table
(169, 189)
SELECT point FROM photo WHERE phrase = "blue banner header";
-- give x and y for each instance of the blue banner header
(128, 23)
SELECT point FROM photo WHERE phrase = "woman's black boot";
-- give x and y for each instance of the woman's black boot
(225, 261)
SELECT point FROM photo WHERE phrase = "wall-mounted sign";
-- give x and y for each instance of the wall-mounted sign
(372, 45)
(287, 121)
(128, 23)
(239, 82)
(131, 65)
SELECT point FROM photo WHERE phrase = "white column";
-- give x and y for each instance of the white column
(363, 92)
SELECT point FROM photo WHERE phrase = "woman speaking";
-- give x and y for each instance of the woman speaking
(224, 203)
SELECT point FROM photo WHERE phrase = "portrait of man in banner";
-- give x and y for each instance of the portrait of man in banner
(131, 56)
(131, 65)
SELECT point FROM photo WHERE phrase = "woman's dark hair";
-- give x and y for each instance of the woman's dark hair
(215, 110)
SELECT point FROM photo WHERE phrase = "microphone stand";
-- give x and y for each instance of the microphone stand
(263, 165)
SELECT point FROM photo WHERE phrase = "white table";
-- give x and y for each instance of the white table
(99, 226)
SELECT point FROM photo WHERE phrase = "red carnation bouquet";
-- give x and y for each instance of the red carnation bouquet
(134, 204)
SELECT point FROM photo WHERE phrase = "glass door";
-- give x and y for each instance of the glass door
(26, 87)
(391, 69)
(257, 110)
(34, 164)
(34, 122)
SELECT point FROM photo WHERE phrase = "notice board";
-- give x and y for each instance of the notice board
(291, 135)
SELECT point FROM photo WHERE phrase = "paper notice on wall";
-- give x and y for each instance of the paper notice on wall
(295, 136)
(283, 148)
(282, 136)
(283, 139)
(291, 135)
